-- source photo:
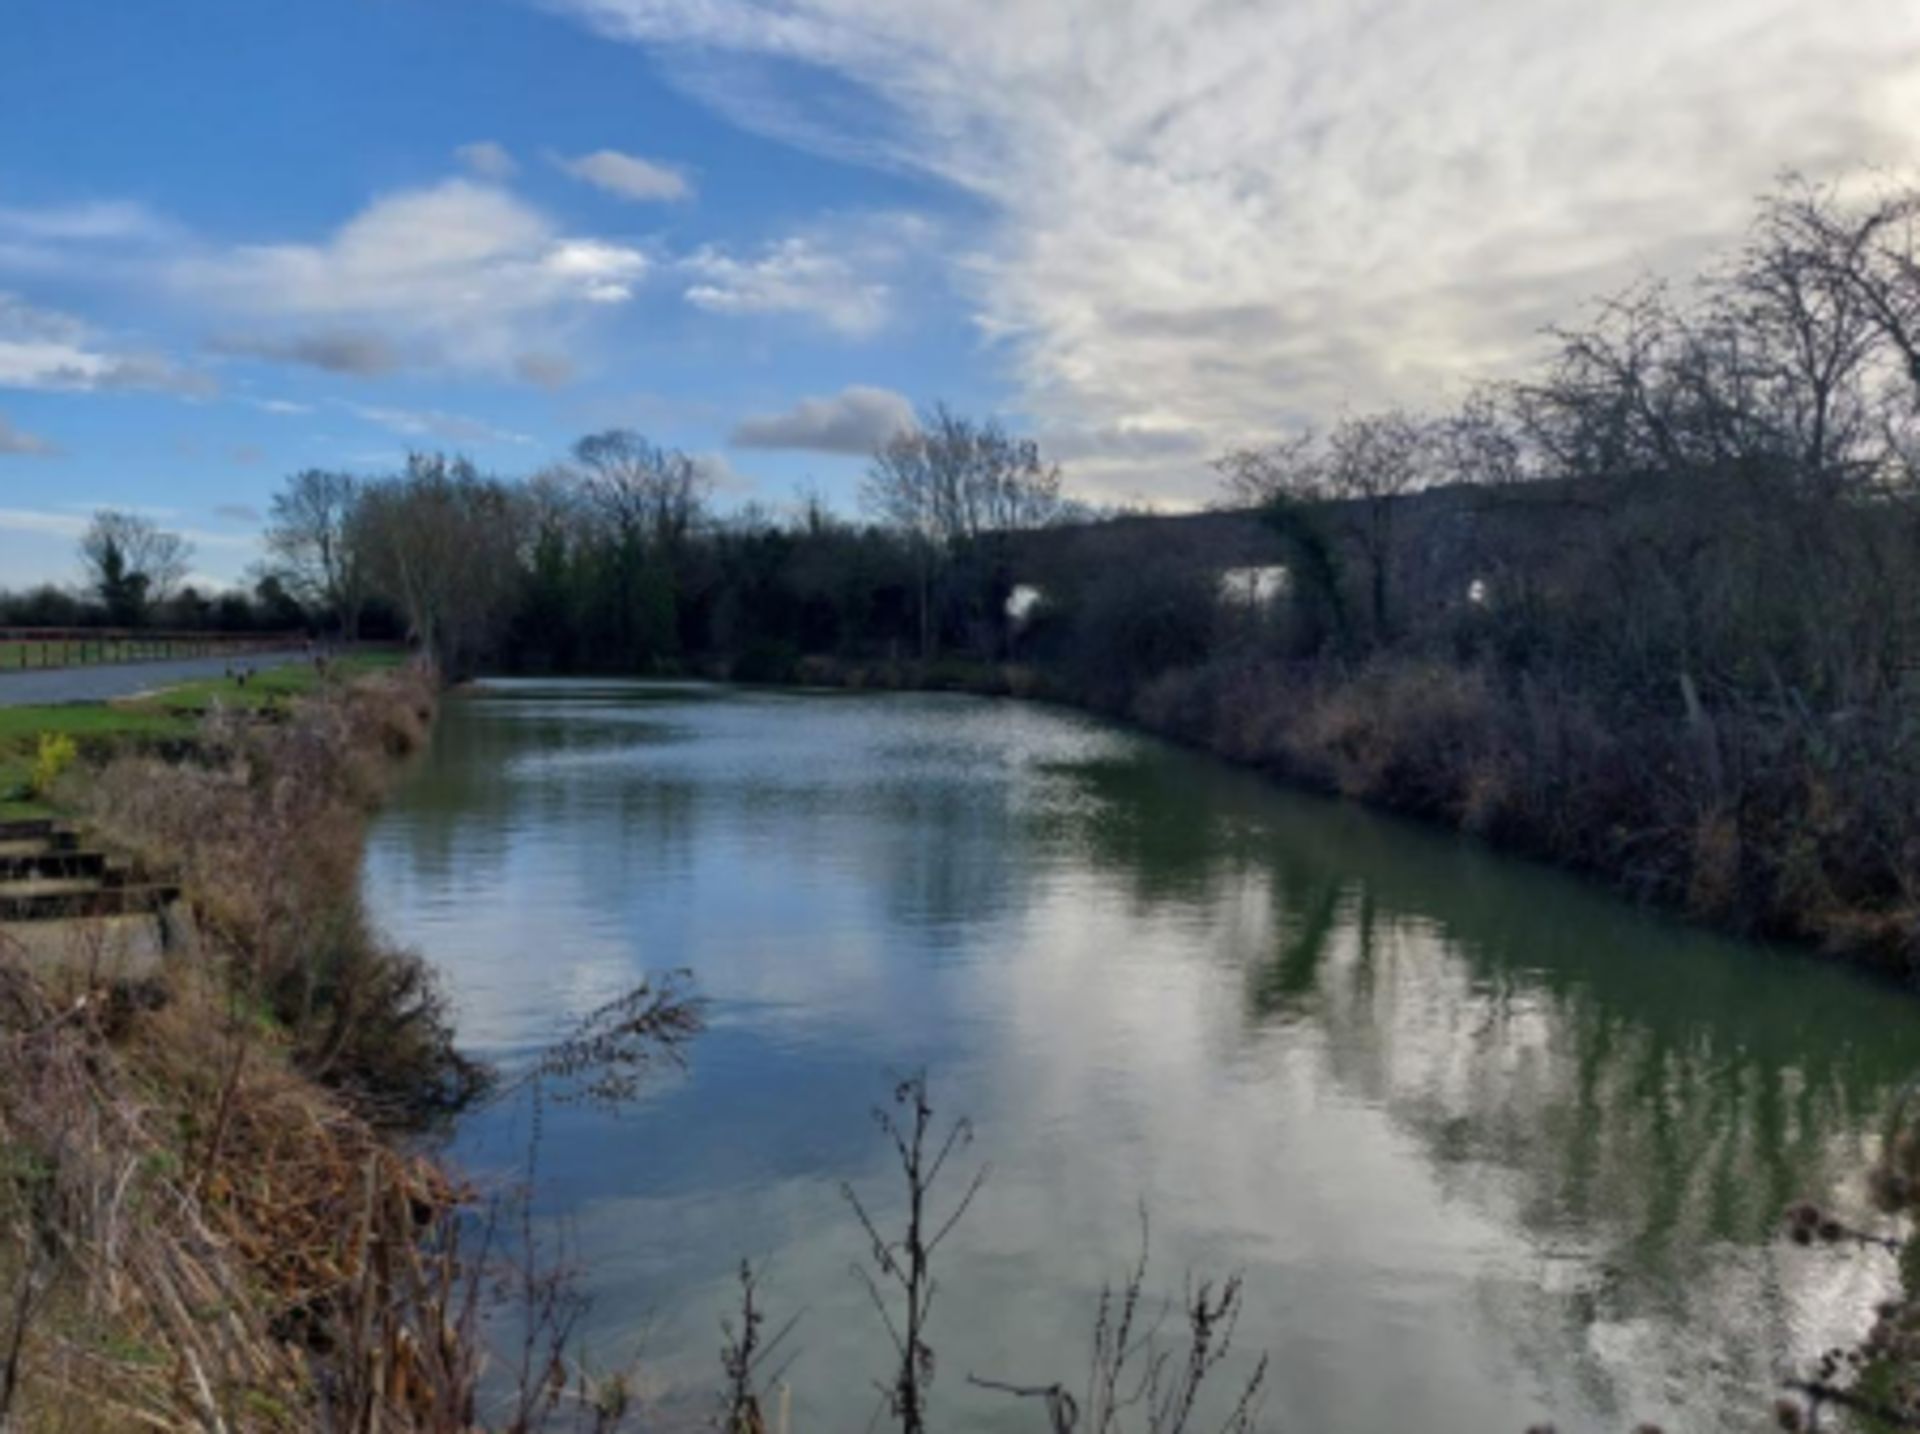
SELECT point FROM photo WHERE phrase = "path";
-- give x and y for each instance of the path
(103, 684)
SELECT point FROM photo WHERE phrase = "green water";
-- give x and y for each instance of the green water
(1488, 1145)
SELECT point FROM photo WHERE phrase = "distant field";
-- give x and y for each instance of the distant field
(170, 712)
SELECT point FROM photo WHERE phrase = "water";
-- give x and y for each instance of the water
(1488, 1145)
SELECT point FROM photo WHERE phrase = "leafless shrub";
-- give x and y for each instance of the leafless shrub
(906, 1261)
(615, 1046)
(1139, 1377)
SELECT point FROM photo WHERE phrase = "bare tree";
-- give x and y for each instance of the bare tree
(641, 489)
(1797, 295)
(1368, 464)
(952, 478)
(313, 530)
(1292, 467)
(132, 562)
(443, 543)
(953, 482)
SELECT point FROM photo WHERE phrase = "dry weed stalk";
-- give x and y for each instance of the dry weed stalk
(1136, 1377)
(907, 1261)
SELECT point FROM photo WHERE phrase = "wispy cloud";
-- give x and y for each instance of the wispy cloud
(43, 522)
(627, 176)
(72, 522)
(838, 272)
(432, 423)
(18, 443)
(1220, 218)
(856, 420)
(90, 222)
(488, 158)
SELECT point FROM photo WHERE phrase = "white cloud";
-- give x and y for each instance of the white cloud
(49, 350)
(627, 175)
(72, 522)
(93, 222)
(834, 275)
(285, 407)
(488, 159)
(721, 473)
(1218, 217)
(856, 420)
(42, 523)
(17, 442)
(461, 274)
(605, 272)
(432, 423)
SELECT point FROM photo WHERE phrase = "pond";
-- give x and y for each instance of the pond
(1488, 1145)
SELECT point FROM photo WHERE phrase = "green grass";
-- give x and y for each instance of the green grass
(84, 720)
(170, 712)
(263, 689)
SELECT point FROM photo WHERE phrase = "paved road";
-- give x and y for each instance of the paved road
(100, 684)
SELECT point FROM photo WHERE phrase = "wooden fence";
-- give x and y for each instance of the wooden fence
(34, 648)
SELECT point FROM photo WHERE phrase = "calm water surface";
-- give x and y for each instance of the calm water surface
(1488, 1145)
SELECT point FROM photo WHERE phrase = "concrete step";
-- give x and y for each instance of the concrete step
(49, 886)
(26, 829)
(97, 902)
(33, 846)
(104, 946)
(54, 864)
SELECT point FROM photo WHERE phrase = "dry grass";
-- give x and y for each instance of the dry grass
(162, 1280)
(203, 1224)
(1758, 819)
(263, 829)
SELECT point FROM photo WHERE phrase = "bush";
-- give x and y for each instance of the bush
(54, 756)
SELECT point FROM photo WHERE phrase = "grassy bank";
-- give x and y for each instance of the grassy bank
(205, 1220)
(168, 715)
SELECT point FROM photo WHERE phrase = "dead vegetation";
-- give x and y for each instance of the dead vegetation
(204, 1223)
(261, 824)
(1760, 818)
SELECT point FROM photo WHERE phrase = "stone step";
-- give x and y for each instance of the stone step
(33, 846)
(49, 886)
(97, 902)
(55, 864)
(27, 829)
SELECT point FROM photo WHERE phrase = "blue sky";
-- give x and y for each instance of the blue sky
(237, 239)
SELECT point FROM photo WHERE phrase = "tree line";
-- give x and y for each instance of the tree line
(615, 560)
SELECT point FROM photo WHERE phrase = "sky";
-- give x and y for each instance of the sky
(240, 239)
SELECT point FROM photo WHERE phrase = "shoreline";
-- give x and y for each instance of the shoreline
(1869, 947)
